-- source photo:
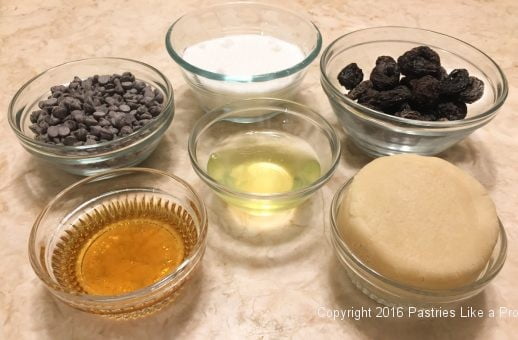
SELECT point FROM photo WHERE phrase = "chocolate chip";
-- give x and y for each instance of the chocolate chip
(88, 108)
(43, 138)
(127, 76)
(155, 110)
(110, 100)
(103, 79)
(148, 92)
(126, 130)
(139, 85)
(42, 116)
(72, 103)
(89, 121)
(159, 97)
(142, 109)
(35, 128)
(53, 131)
(59, 112)
(43, 126)
(63, 131)
(53, 120)
(99, 114)
(50, 102)
(102, 108)
(106, 134)
(35, 115)
(148, 101)
(127, 84)
(95, 130)
(144, 122)
(69, 140)
(78, 116)
(71, 124)
(80, 134)
(58, 88)
(104, 122)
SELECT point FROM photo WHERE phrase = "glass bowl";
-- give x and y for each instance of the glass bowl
(213, 90)
(90, 196)
(378, 133)
(91, 159)
(267, 116)
(393, 293)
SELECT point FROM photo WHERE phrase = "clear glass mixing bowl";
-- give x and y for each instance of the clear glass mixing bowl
(86, 160)
(378, 133)
(59, 217)
(270, 116)
(391, 293)
(216, 89)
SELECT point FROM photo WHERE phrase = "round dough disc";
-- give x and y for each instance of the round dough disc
(420, 221)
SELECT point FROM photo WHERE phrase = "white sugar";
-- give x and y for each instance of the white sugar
(244, 55)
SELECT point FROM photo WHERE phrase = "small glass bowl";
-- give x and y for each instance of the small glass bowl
(57, 218)
(215, 89)
(91, 159)
(392, 293)
(263, 115)
(378, 133)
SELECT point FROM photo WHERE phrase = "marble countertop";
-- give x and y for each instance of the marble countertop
(254, 282)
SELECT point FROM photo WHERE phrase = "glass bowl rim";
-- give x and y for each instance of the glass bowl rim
(327, 85)
(308, 59)
(149, 290)
(341, 247)
(219, 114)
(166, 113)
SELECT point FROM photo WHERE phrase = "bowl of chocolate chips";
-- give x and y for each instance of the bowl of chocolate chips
(409, 90)
(92, 115)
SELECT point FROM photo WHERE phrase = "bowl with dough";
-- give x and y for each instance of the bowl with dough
(400, 257)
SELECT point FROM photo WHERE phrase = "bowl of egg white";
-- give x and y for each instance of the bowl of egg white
(417, 231)
(241, 50)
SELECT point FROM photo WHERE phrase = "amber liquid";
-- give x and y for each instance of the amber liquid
(122, 246)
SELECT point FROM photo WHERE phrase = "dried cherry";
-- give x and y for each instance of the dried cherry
(420, 61)
(360, 89)
(425, 91)
(350, 76)
(473, 91)
(455, 82)
(451, 110)
(385, 75)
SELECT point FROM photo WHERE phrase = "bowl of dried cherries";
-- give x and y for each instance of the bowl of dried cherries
(409, 90)
(92, 115)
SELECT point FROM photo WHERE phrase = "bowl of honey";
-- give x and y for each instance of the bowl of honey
(120, 244)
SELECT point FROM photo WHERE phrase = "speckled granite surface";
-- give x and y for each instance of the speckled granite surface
(255, 283)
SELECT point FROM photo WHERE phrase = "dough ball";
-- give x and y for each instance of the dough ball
(420, 221)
